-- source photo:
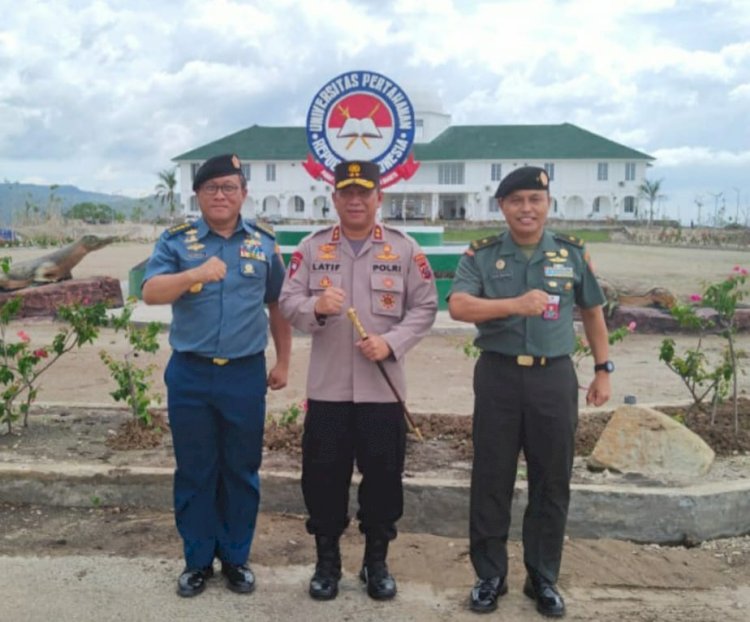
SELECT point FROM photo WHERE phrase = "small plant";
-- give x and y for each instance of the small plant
(692, 366)
(471, 350)
(21, 365)
(134, 382)
(583, 349)
(291, 414)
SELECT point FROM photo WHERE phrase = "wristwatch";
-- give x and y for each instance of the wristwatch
(607, 366)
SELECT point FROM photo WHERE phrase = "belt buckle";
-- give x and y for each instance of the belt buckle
(525, 360)
(220, 362)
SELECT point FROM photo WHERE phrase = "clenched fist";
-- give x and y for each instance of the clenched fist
(213, 269)
(531, 303)
(330, 302)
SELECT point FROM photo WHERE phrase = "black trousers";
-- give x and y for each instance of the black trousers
(534, 409)
(335, 435)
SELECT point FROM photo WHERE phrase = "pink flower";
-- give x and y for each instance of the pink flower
(41, 353)
(696, 297)
(736, 269)
(631, 327)
(303, 404)
(743, 272)
(23, 336)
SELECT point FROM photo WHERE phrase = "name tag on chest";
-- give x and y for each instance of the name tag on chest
(559, 272)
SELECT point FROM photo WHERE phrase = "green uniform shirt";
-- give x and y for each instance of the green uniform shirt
(497, 268)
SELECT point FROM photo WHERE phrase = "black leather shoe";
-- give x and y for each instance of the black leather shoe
(193, 582)
(239, 577)
(548, 600)
(380, 583)
(485, 593)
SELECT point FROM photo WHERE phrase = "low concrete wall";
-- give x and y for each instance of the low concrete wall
(643, 514)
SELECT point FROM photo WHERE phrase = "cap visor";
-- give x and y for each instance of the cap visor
(365, 183)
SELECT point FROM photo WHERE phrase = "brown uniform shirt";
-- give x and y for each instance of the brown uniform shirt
(390, 284)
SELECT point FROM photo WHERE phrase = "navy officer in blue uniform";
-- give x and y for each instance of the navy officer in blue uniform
(519, 288)
(218, 274)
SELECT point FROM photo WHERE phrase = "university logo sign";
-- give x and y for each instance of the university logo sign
(361, 115)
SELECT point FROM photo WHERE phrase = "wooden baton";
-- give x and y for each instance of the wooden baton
(352, 314)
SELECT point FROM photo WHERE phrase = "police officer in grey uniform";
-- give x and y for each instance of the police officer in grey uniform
(352, 413)
(519, 288)
(218, 274)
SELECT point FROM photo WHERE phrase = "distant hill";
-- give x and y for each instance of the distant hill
(19, 200)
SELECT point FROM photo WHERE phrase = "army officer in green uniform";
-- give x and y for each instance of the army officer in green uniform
(519, 288)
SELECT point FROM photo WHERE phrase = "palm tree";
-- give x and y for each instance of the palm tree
(650, 190)
(165, 189)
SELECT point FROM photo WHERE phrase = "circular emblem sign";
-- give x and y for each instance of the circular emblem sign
(361, 115)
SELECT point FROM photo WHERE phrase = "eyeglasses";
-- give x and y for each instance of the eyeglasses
(226, 189)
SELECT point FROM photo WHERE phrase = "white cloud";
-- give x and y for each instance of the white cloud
(701, 156)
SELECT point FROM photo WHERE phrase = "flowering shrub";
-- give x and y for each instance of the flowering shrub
(21, 366)
(292, 413)
(134, 381)
(692, 366)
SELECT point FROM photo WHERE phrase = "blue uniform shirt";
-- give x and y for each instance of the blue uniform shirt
(227, 318)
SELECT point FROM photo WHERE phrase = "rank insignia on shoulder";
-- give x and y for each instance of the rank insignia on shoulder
(174, 230)
(265, 229)
(569, 239)
(484, 242)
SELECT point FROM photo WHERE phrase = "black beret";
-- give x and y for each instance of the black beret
(218, 166)
(524, 178)
(360, 172)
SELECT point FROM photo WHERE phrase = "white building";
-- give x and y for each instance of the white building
(591, 177)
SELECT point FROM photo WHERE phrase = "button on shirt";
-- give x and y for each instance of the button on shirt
(226, 318)
(500, 269)
(390, 284)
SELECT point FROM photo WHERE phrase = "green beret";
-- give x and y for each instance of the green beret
(359, 172)
(524, 178)
(218, 166)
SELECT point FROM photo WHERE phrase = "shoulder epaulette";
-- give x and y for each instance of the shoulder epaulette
(391, 229)
(569, 239)
(264, 228)
(174, 230)
(484, 242)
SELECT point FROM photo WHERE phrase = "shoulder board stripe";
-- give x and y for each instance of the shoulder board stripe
(569, 239)
(484, 242)
(172, 231)
(265, 229)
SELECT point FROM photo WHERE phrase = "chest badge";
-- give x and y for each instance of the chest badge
(388, 283)
(387, 254)
(327, 251)
(325, 282)
(248, 268)
(388, 301)
(500, 264)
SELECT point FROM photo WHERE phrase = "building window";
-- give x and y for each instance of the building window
(602, 171)
(451, 174)
(550, 168)
(299, 205)
(629, 171)
(194, 204)
(418, 128)
(629, 205)
(245, 171)
(597, 202)
(270, 172)
(193, 170)
(496, 172)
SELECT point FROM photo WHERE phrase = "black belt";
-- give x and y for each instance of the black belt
(527, 360)
(217, 360)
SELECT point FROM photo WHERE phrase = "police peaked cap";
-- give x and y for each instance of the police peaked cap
(524, 178)
(218, 166)
(359, 172)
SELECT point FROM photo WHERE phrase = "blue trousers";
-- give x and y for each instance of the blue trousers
(216, 414)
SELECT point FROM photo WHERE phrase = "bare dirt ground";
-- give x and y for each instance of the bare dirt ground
(604, 580)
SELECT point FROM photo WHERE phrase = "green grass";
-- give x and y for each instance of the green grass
(467, 235)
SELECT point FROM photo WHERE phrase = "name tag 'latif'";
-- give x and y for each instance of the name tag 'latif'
(559, 272)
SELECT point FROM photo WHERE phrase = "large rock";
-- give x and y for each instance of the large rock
(43, 301)
(643, 440)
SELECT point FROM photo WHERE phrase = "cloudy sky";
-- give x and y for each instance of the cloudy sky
(103, 94)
